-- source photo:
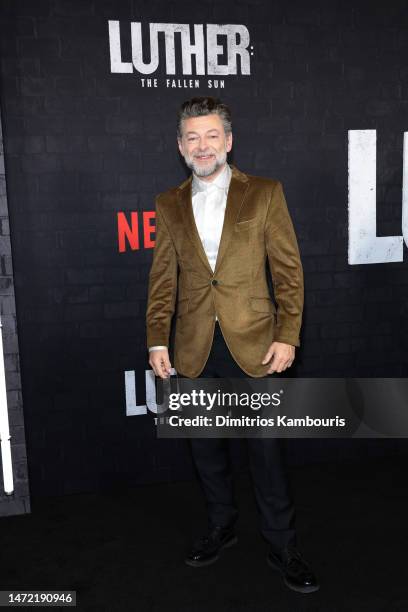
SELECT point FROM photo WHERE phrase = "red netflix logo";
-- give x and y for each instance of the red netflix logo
(130, 233)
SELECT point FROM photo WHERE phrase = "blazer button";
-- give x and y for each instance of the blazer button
(214, 282)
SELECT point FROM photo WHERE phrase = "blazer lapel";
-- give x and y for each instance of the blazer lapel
(187, 213)
(236, 193)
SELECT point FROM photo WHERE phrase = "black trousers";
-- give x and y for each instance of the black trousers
(266, 461)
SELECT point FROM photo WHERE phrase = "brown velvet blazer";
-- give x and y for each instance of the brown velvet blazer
(257, 228)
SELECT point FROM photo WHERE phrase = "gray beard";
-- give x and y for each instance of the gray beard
(199, 171)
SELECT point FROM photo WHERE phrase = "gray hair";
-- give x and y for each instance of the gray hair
(205, 105)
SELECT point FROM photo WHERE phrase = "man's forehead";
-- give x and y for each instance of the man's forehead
(204, 122)
(215, 130)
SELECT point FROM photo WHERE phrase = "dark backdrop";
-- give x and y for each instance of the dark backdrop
(83, 146)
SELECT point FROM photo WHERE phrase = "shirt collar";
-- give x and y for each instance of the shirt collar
(221, 181)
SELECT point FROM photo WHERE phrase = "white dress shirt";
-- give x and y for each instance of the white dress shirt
(209, 199)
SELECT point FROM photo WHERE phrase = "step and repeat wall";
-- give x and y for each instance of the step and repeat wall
(89, 97)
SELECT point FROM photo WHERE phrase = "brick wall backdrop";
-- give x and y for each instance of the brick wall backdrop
(19, 501)
(83, 144)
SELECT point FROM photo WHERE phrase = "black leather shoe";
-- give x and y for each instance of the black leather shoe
(297, 573)
(205, 550)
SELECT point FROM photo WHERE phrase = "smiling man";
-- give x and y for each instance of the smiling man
(214, 234)
(205, 145)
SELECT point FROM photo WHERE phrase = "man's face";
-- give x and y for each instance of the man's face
(204, 144)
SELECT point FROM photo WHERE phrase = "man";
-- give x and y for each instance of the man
(214, 234)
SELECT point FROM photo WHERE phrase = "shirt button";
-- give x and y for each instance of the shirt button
(214, 282)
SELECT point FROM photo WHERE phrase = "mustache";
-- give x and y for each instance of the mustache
(204, 153)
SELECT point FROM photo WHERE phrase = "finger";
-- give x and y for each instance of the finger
(162, 373)
(276, 366)
(157, 372)
(267, 358)
(274, 363)
(272, 368)
(157, 368)
(283, 365)
(167, 365)
(286, 364)
(163, 369)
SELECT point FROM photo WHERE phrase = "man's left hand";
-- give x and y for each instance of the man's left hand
(283, 357)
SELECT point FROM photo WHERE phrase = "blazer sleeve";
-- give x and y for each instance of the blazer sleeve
(286, 268)
(162, 286)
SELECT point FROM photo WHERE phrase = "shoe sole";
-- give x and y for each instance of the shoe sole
(228, 544)
(298, 589)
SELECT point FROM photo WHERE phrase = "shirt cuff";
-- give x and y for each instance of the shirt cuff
(156, 348)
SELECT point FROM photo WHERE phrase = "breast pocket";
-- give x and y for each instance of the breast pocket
(247, 224)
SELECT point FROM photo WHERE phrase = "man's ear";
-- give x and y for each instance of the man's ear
(180, 146)
(229, 142)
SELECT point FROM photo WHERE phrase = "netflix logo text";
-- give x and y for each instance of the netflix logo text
(136, 230)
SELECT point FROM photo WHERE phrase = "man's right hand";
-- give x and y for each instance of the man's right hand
(160, 362)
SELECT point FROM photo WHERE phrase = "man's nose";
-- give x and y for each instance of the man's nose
(203, 145)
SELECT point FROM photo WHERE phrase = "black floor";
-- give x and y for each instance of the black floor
(124, 551)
